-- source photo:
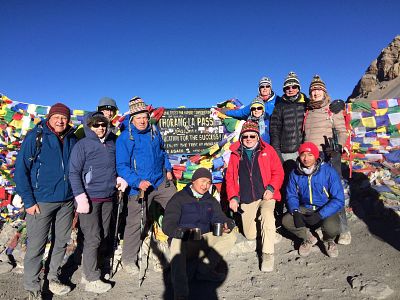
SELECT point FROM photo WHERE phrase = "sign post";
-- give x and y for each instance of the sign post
(189, 130)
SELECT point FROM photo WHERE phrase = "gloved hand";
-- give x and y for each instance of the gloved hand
(312, 218)
(231, 224)
(298, 219)
(180, 233)
(83, 206)
(337, 106)
(121, 184)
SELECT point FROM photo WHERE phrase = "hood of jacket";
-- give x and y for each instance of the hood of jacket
(89, 133)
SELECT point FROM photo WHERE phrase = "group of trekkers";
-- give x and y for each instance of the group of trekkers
(285, 167)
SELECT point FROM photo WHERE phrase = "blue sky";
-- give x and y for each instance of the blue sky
(191, 53)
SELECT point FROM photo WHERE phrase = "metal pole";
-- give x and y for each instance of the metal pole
(115, 241)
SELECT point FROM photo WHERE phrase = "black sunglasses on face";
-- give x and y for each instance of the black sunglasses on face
(257, 108)
(251, 136)
(104, 125)
(291, 87)
(264, 86)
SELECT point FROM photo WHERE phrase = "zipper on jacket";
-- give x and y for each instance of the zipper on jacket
(37, 175)
(310, 191)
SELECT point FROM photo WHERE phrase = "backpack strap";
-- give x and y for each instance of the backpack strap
(38, 143)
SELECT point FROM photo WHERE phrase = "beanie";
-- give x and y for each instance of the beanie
(137, 105)
(201, 173)
(309, 147)
(250, 126)
(317, 84)
(107, 103)
(257, 102)
(291, 79)
(264, 81)
(61, 109)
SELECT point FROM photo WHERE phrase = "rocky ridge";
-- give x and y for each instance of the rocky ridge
(382, 78)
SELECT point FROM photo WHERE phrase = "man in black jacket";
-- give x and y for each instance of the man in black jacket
(189, 218)
(286, 127)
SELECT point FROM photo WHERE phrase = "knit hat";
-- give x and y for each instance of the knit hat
(137, 105)
(61, 109)
(291, 79)
(309, 147)
(317, 84)
(264, 81)
(201, 173)
(250, 126)
(107, 103)
(257, 102)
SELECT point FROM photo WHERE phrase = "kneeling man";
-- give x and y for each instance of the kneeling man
(189, 219)
(314, 198)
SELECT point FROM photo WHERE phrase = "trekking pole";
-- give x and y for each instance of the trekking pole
(115, 240)
(141, 200)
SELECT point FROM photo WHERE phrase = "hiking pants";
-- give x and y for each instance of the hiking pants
(58, 216)
(95, 227)
(260, 214)
(330, 226)
(132, 237)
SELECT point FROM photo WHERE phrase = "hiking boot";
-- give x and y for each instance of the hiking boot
(211, 276)
(305, 247)
(34, 295)
(267, 262)
(97, 286)
(130, 268)
(344, 238)
(58, 288)
(331, 249)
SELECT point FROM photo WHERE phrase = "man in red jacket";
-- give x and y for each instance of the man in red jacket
(253, 179)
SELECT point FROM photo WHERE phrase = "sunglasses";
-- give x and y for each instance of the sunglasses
(264, 86)
(104, 125)
(257, 108)
(291, 87)
(250, 136)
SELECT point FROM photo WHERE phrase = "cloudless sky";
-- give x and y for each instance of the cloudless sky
(191, 53)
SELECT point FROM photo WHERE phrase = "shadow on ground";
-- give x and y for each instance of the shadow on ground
(382, 222)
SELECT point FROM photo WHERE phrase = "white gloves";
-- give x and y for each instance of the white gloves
(121, 184)
(83, 204)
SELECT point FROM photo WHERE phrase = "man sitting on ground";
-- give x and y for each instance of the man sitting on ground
(188, 220)
(314, 198)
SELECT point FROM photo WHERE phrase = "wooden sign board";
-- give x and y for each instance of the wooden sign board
(189, 130)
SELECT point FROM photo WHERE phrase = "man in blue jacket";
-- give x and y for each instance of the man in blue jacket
(41, 177)
(143, 162)
(314, 198)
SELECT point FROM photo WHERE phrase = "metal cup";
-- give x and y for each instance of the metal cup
(217, 229)
(195, 234)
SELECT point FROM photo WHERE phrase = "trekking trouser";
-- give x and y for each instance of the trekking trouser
(38, 227)
(260, 212)
(92, 225)
(132, 238)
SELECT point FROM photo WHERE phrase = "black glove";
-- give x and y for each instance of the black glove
(312, 218)
(337, 106)
(231, 224)
(328, 146)
(181, 233)
(298, 219)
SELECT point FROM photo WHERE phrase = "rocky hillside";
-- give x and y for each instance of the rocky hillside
(382, 78)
